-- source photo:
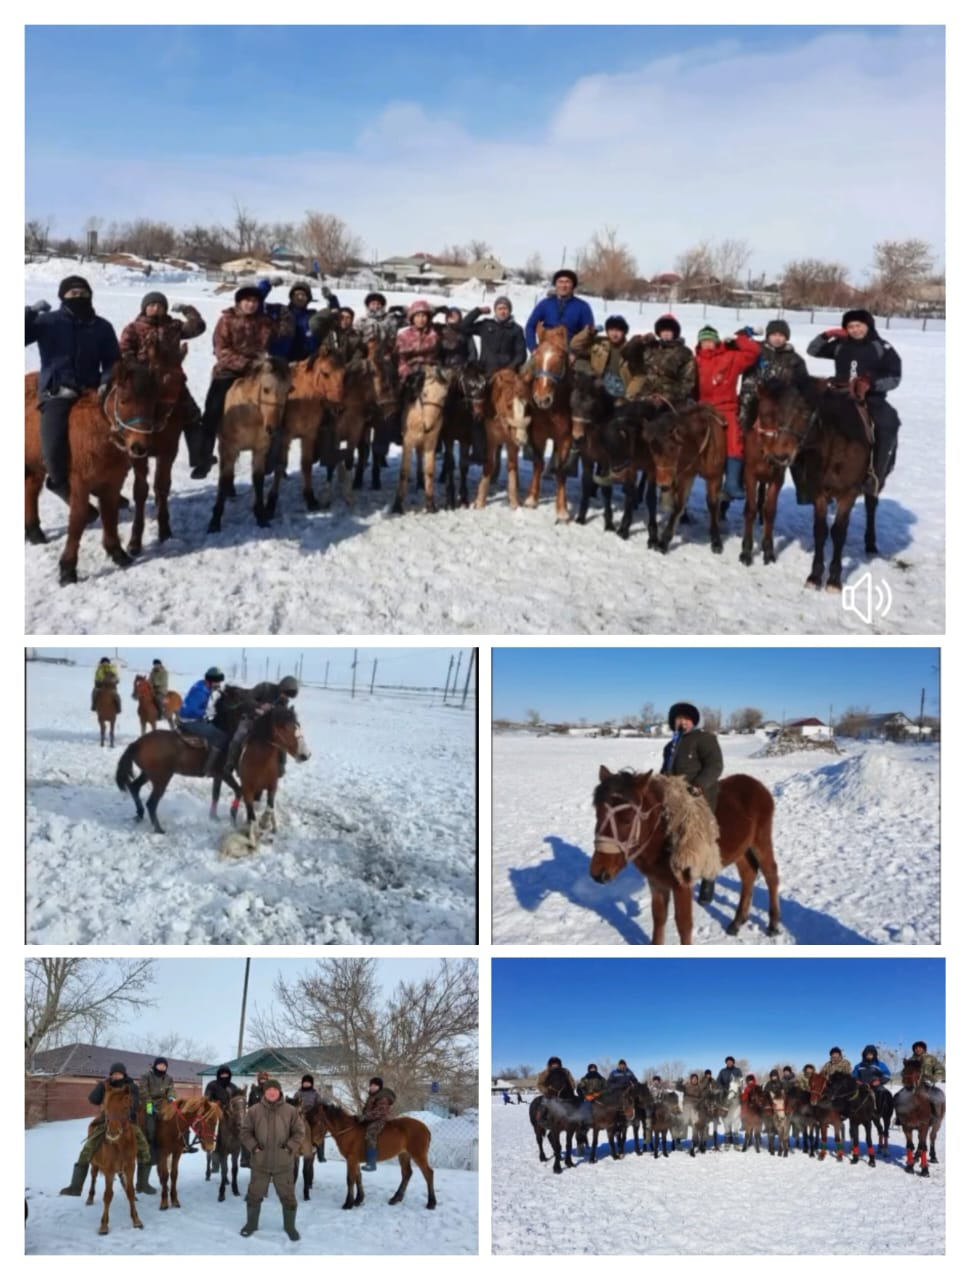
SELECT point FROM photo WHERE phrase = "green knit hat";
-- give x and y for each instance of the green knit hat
(272, 1084)
(708, 332)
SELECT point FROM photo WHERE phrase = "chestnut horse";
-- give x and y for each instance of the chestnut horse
(104, 439)
(172, 1121)
(756, 1113)
(464, 411)
(423, 420)
(683, 445)
(506, 422)
(826, 1112)
(106, 709)
(276, 730)
(404, 1137)
(255, 405)
(631, 828)
(116, 1154)
(783, 421)
(316, 388)
(174, 405)
(918, 1112)
(144, 695)
(547, 391)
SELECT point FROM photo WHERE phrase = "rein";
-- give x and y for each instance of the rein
(633, 845)
(197, 1126)
(121, 425)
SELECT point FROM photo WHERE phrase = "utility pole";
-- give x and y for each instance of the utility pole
(353, 676)
(326, 674)
(451, 663)
(373, 676)
(244, 666)
(242, 1015)
(922, 703)
(472, 662)
(454, 686)
(300, 669)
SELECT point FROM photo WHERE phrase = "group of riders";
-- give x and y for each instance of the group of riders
(79, 349)
(197, 714)
(272, 1133)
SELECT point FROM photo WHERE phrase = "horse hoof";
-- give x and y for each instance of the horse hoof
(924, 1173)
(214, 526)
(120, 557)
(717, 548)
(770, 558)
(35, 535)
(834, 588)
(773, 931)
(311, 503)
(134, 548)
(746, 558)
(814, 582)
(733, 929)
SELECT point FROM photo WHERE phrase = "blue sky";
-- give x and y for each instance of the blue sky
(699, 1011)
(369, 122)
(602, 684)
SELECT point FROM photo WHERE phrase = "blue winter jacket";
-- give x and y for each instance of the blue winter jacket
(866, 1072)
(619, 1077)
(727, 1074)
(301, 343)
(196, 702)
(575, 313)
(78, 354)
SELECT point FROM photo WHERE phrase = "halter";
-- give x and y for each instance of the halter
(120, 426)
(768, 433)
(197, 1126)
(631, 847)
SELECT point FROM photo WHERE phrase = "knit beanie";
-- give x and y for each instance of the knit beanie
(708, 332)
(778, 326)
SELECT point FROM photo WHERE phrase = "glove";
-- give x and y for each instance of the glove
(40, 306)
(835, 333)
(276, 280)
(692, 790)
(179, 309)
(325, 292)
(860, 387)
(149, 1108)
(485, 311)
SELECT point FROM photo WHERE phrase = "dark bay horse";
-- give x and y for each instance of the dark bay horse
(547, 390)
(548, 1122)
(104, 439)
(106, 709)
(276, 730)
(857, 1104)
(919, 1113)
(464, 411)
(631, 828)
(403, 1136)
(162, 443)
(228, 1145)
(756, 1113)
(667, 1118)
(116, 1154)
(783, 420)
(826, 1113)
(144, 695)
(172, 1121)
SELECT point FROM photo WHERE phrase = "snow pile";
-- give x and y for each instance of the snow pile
(377, 842)
(65, 1225)
(728, 1203)
(782, 745)
(857, 843)
(340, 571)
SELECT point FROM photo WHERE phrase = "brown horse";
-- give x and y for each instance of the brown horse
(104, 439)
(423, 420)
(615, 451)
(404, 1137)
(832, 466)
(175, 404)
(373, 401)
(756, 1113)
(255, 405)
(116, 1154)
(464, 411)
(684, 445)
(783, 420)
(172, 1121)
(918, 1112)
(631, 827)
(826, 1112)
(144, 695)
(228, 1146)
(547, 390)
(106, 709)
(506, 422)
(159, 756)
(317, 388)
(276, 730)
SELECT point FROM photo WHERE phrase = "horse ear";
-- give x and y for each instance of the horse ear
(604, 773)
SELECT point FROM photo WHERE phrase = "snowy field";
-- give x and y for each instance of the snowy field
(856, 836)
(713, 1204)
(359, 570)
(63, 1224)
(377, 844)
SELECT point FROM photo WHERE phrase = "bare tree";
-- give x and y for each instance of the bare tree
(328, 240)
(808, 282)
(478, 249)
(648, 713)
(852, 721)
(175, 1045)
(607, 267)
(453, 255)
(143, 236)
(696, 270)
(711, 719)
(66, 998)
(246, 234)
(533, 270)
(533, 717)
(730, 257)
(745, 719)
(37, 233)
(204, 244)
(899, 267)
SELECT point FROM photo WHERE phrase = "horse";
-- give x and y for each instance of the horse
(372, 397)
(631, 821)
(423, 420)
(316, 388)
(640, 1121)
(144, 695)
(464, 411)
(162, 445)
(780, 427)
(825, 1113)
(104, 439)
(106, 709)
(506, 423)
(687, 443)
(543, 1121)
(620, 455)
(832, 466)
(307, 1152)
(255, 405)
(857, 1104)
(756, 1112)
(403, 1136)
(802, 1122)
(172, 1121)
(726, 1108)
(547, 390)
(667, 1118)
(276, 730)
(778, 1123)
(228, 1145)
(592, 406)
(883, 1119)
(116, 1154)
(611, 1110)
(918, 1112)
(159, 756)
(706, 1110)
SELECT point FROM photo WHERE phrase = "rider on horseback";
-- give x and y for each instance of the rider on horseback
(836, 1064)
(778, 366)
(591, 1086)
(551, 1081)
(932, 1070)
(696, 756)
(663, 368)
(262, 697)
(730, 1071)
(871, 1070)
(158, 679)
(222, 1089)
(105, 677)
(118, 1078)
(621, 1075)
(194, 717)
(155, 338)
(376, 1113)
(158, 1086)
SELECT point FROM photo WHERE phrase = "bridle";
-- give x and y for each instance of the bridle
(632, 846)
(121, 426)
(198, 1125)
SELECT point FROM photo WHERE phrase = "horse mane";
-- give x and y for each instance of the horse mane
(840, 412)
(135, 377)
(334, 1111)
(557, 335)
(275, 365)
(625, 782)
(691, 829)
(262, 730)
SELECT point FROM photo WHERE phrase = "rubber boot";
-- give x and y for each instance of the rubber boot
(371, 1165)
(76, 1187)
(732, 478)
(208, 772)
(706, 893)
(142, 1186)
(289, 1222)
(252, 1219)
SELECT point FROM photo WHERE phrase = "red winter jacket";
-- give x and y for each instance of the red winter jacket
(719, 369)
(415, 348)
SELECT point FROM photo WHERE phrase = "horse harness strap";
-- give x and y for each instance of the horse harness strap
(120, 425)
(633, 845)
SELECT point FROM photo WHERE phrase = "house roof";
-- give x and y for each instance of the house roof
(884, 717)
(284, 1060)
(96, 1060)
(811, 723)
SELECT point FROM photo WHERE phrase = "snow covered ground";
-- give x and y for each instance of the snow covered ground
(377, 843)
(63, 1224)
(359, 570)
(857, 841)
(713, 1204)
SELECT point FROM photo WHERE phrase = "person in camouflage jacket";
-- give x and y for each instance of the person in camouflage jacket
(804, 1077)
(663, 368)
(155, 1086)
(836, 1064)
(779, 365)
(118, 1078)
(379, 322)
(933, 1071)
(602, 355)
(552, 1090)
(375, 1115)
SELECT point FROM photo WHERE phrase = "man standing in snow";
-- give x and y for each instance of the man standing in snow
(696, 756)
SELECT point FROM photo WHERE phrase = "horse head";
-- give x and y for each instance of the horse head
(817, 1084)
(269, 385)
(131, 407)
(550, 364)
(329, 371)
(784, 420)
(473, 381)
(117, 1112)
(281, 727)
(627, 819)
(141, 687)
(911, 1073)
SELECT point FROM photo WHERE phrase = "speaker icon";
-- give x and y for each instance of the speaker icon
(867, 599)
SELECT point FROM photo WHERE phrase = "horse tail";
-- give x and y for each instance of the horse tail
(123, 774)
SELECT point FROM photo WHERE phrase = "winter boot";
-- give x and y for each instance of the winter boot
(252, 1219)
(77, 1181)
(706, 893)
(371, 1165)
(142, 1186)
(732, 478)
(207, 772)
(321, 1154)
(289, 1222)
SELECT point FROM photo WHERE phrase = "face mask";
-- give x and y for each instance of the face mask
(80, 308)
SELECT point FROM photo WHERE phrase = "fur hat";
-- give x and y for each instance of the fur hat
(667, 322)
(417, 307)
(306, 1078)
(616, 322)
(683, 709)
(247, 291)
(708, 332)
(919, 1044)
(156, 662)
(859, 314)
(502, 300)
(376, 1080)
(566, 271)
(72, 282)
(149, 298)
(375, 297)
(778, 326)
(301, 286)
(117, 1066)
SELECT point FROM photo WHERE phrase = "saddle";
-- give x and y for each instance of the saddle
(191, 739)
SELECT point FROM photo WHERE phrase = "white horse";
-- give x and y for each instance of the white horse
(731, 1120)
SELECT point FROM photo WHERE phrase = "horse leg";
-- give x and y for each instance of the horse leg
(106, 1203)
(629, 506)
(422, 1162)
(140, 494)
(770, 507)
(683, 914)
(659, 900)
(158, 790)
(108, 501)
(821, 532)
(405, 1163)
(94, 1179)
(176, 1156)
(750, 510)
(34, 482)
(134, 787)
(872, 502)
(764, 854)
(163, 487)
(162, 1170)
(223, 1174)
(260, 510)
(538, 451)
(128, 1178)
(713, 513)
(306, 467)
(430, 443)
(403, 477)
(748, 876)
(76, 523)
(653, 531)
(227, 465)
(513, 473)
(593, 1145)
(235, 1173)
(840, 528)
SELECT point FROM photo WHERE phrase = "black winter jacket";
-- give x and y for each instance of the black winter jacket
(77, 354)
(870, 357)
(697, 757)
(503, 342)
